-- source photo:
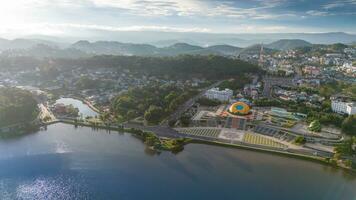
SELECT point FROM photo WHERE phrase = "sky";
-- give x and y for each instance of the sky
(73, 17)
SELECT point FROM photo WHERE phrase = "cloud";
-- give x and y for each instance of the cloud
(131, 28)
(333, 5)
(66, 29)
(57, 29)
(207, 8)
(317, 13)
(260, 29)
(66, 16)
(339, 4)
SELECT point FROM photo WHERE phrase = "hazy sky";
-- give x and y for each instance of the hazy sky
(70, 17)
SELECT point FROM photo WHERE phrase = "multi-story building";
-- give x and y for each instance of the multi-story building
(343, 107)
(311, 70)
(221, 95)
(351, 108)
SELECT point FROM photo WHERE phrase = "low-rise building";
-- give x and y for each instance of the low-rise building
(312, 71)
(343, 107)
(221, 95)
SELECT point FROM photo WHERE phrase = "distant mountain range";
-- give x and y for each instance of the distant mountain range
(83, 48)
(118, 48)
(22, 43)
(164, 39)
(43, 51)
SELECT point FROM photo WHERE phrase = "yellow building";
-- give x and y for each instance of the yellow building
(239, 108)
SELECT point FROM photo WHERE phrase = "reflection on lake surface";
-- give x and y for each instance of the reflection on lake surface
(84, 109)
(65, 162)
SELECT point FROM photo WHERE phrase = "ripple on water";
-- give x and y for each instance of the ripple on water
(62, 187)
(61, 147)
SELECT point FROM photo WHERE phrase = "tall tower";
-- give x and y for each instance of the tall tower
(261, 60)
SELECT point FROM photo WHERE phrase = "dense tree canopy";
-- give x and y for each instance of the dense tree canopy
(235, 84)
(85, 82)
(154, 102)
(185, 66)
(16, 106)
(349, 125)
(154, 114)
(337, 87)
(203, 101)
(346, 148)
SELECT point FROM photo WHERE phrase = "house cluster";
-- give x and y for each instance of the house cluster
(348, 68)
(252, 90)
(279, 65)
(333, 59)
(291, 95)
(308, 82)
(290, 62)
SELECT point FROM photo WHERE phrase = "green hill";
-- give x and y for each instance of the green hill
(16, 106)
(287, 44)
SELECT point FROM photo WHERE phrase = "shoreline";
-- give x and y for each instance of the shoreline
(84, 101)
(316, 159)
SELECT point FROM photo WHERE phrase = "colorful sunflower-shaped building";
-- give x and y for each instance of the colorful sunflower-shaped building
(239, 108)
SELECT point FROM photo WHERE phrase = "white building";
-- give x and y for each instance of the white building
(221, 95)
(350, 50)
(343, 107)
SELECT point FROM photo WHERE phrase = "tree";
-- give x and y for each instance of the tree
(171, 123)
(154, 114)
(185, 120)
(315, 126)
(235, 84)
(172, 95)
(131, 114)
(16, 106)
(345, 148)
(86, 83)
(300, 140)
(349, 125)
(266, 102)
(348, 163)
(184, 66)
(208, 102)
(72, 111)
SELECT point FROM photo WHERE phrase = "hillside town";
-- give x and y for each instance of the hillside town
(297, 105)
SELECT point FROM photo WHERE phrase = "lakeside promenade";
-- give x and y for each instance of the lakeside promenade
(164, 131)
(168, 132)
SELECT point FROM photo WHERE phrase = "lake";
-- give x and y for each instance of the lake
(84, 109)
(64, 162)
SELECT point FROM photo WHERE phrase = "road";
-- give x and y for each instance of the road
(269, 82)
(45, 112)
(184, 107)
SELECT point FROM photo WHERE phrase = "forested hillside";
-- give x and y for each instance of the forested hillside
(186, 66)
(16, 106)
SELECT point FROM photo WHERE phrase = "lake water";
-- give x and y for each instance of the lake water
(64, 162)
(84, 109)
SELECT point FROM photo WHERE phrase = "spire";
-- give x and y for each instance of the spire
(261, 60)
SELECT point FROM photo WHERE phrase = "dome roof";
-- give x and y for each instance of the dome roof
(239, 108)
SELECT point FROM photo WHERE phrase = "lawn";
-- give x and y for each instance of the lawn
(203, 132)
(260, 140)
